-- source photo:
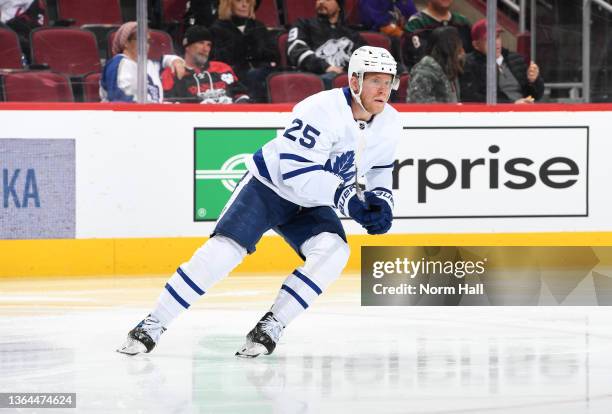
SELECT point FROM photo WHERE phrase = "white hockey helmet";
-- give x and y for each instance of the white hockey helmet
(371, 59)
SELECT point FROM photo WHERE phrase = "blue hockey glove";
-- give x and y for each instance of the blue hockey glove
(382, 215)
(350, 205)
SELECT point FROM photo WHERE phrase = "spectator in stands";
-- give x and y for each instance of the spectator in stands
(204, 12)
(120, 74)
(245, 44)
(205, 81)
(323, 44)
(386, 16)
(22, 16)
(201, 12)
(435, 79)
(419, 27)
(516, 81)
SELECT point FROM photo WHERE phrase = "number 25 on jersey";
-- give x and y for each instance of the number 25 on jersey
(309, 133)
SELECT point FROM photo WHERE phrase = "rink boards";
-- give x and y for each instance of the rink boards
(121, 189)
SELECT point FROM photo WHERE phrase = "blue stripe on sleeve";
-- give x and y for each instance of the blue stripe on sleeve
(377, 167)
(307, 280)
(294, 157)
(300, 171)
(260, 163)
(295, 295)
(190, 282)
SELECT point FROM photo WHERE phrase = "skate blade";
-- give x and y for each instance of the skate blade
(132, 347)
(251, 350)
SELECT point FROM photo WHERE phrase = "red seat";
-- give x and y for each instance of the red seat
(36, 87)
(282, 49)
(173, 11)
(376, 39)
(296, 9)
(91, 87)
(10, 51)
(161, 44)
(290, 87)
(267, 13)
(340, 81)
(90, 11)
(351, 12)
(70, 51)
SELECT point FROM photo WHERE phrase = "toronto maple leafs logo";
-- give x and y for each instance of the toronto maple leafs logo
(343, 166)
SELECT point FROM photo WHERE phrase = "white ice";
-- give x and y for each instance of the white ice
(338, 357)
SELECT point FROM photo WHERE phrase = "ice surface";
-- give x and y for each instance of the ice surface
(338, 357)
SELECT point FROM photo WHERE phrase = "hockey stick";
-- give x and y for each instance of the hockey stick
(358, 150)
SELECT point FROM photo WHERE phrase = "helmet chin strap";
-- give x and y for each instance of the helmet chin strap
(357, 96)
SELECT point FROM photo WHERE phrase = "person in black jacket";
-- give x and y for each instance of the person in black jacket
(245, 44)
(323, 44)
(517, 82)
(205, 81)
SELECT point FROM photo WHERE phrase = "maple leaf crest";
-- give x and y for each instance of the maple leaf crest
(343, 166)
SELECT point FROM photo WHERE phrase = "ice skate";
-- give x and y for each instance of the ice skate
(143, 337)
(263, 337)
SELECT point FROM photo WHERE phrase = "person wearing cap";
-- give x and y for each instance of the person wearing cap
(245, 44)
(436, 14)
(120, 74)
(517, 82)
(323, 44)
(205, 81)
(386, 16)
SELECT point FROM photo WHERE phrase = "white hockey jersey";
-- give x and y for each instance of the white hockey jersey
(315, 154)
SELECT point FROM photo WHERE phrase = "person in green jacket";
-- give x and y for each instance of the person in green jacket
(418, 29)
(435, 79)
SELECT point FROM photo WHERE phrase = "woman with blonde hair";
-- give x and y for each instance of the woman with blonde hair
(245, 44)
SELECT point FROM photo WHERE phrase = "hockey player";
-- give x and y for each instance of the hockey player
(291, 185)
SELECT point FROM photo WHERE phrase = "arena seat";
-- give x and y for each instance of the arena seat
(351, 13)
(289, 87)
(10, 50)
(67, 50)
(340, 81)
(376, 39)
(173, 11)
(90, 11)
(282, 49)
(267, 13)
(91, 87)
(161, 44)
(36, 86)
(298, 9)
